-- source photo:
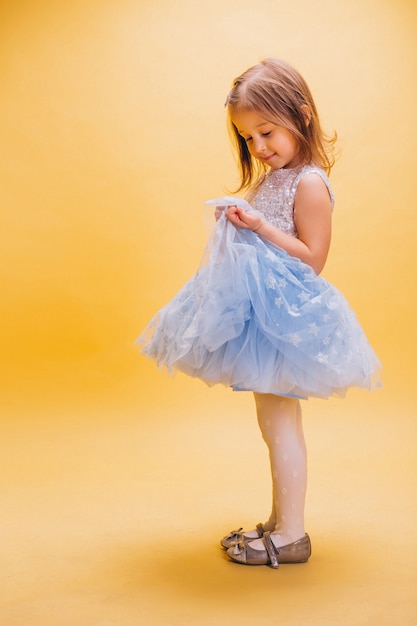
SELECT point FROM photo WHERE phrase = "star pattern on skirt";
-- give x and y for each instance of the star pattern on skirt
(303, 296)
(295, 339)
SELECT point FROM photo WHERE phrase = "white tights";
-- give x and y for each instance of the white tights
(281, 426)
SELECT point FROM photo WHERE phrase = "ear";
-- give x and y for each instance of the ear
(305, 110)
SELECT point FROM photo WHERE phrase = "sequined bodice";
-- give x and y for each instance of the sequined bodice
(276, 195)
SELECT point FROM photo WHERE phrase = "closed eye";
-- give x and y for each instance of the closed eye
(248, 139)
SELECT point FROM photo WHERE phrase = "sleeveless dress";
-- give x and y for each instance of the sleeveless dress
(255, 318)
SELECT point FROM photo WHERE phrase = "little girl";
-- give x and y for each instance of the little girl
(257, 316)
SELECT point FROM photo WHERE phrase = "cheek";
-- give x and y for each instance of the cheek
(292, 145)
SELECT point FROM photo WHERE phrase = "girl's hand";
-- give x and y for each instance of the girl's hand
(244, 219)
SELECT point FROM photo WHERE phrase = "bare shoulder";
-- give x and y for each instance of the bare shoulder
(312, 205)
(312, 189)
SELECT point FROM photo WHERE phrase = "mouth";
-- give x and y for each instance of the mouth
(268, 158)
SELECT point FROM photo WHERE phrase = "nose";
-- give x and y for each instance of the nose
(259, 145)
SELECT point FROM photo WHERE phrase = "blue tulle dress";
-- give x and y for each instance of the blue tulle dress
(255, 318)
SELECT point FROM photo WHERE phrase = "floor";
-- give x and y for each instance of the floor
(112, 509)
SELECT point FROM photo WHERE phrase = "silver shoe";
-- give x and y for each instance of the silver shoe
(297, 552)
(238, 536)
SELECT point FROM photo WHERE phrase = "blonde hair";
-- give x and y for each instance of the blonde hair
(279, 93)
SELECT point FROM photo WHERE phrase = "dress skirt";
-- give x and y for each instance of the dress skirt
(255, 318)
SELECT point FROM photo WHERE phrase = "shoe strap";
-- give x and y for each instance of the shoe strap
(271, 549)
(260, 529)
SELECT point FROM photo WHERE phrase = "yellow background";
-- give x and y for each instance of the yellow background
(112, 136)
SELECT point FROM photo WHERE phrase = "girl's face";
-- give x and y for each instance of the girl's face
(270, 143)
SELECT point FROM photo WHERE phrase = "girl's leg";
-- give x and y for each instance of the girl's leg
(281, 426)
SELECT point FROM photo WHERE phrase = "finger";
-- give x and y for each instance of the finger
(233, 217)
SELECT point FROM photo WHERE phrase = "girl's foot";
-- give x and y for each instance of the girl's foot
(278, 539)
(296, 552)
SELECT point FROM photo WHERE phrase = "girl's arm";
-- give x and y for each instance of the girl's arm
(312, 213)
